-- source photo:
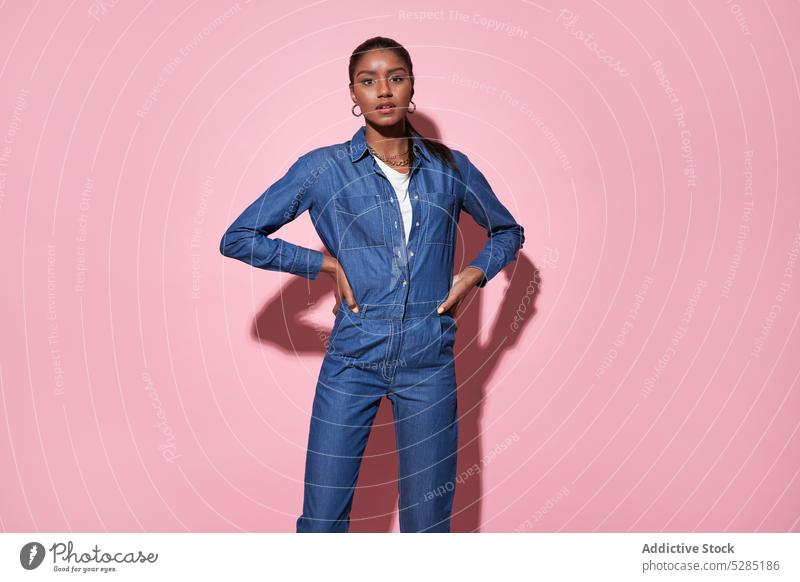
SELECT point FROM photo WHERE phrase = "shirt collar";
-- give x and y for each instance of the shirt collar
(358, 146)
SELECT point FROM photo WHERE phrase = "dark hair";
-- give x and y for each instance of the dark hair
(439, 149)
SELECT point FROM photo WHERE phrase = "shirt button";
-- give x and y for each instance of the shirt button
(415, 196)
(411, 253)
(417, 223)
(404, 283)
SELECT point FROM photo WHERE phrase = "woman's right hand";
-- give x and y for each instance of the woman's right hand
(341, 288)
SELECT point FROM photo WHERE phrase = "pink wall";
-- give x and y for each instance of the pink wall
(648, 382)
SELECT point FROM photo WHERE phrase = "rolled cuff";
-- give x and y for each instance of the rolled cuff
(307, 262)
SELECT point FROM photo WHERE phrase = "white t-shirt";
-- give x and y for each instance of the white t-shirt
(399, 182)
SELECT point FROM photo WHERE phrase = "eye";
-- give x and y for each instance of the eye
(366, 82)
(398, 79)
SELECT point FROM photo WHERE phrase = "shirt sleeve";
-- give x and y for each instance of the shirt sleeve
(249, 238)
(506, 236)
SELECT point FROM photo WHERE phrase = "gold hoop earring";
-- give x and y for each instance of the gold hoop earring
(415, 107)
(353, 111)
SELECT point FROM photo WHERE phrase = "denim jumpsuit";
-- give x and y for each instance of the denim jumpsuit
(396, 345)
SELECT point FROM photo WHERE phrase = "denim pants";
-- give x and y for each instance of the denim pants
(407, 356)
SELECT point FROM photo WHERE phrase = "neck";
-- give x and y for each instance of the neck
(390, 142)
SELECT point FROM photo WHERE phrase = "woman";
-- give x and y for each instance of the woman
(386, 204)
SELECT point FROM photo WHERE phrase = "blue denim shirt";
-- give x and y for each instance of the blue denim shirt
(355, 212)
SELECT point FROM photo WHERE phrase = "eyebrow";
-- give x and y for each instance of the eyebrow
(368, 71)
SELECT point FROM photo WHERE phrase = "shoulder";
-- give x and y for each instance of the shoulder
(460, 156)
(322, 156)
(317, 165)
(464, 165)
(462, 161)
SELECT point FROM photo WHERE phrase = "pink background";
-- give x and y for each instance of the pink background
(635, 370)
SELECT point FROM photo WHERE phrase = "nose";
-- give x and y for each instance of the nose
(384, 88)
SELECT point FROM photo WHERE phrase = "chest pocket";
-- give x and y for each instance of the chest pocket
(438, 211)
(359, 221)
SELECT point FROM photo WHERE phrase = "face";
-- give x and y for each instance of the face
(381, 77)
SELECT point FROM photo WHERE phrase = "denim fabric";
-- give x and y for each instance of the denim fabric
(354, 211)
(409, 361)
(396, 346)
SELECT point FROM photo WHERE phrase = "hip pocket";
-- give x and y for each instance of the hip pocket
(428, 342)
(358, 341)
(448, 327)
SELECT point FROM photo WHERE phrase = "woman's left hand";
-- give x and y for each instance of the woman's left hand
(462, 283)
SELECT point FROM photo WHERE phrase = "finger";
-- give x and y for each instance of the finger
(351, 300)
(345, 291)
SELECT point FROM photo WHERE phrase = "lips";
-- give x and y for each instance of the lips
(385, 106)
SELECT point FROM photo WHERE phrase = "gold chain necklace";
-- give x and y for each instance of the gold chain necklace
(387, 160)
